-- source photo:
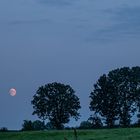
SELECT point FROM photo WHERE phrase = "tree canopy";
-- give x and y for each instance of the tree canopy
(57, 103)
(116, 96)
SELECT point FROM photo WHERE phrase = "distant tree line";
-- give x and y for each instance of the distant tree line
(33, 125)
(3, 129)
(114, 100)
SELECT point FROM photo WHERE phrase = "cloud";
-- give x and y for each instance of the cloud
(127, 20)
(125, 23)
(57, 2)
(20, 22)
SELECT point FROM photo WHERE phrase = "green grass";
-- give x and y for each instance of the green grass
(103, 134)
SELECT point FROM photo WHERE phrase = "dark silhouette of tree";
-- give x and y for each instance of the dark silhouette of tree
(115, 95)
(38, 125)
(95, 121)
(138, 121)
(3, 129)
(85, 125)
(33, 125)
(49, 126)
(91, 123)
(27, 125)
(104, 100)
(56, 102)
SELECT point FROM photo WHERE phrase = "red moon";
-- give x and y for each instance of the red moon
(12, 91)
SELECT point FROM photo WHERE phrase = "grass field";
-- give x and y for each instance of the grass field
(103, 134)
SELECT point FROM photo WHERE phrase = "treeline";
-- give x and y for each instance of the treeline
(91, 123)
(114, 100)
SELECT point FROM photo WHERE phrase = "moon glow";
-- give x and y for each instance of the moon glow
(12, 92)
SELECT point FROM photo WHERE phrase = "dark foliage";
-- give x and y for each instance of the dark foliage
(116, 96)
(85, 125)
(28, 125)
(93, 122)
(3, 129)
(38, 125)
(57, 103)
(49, 126)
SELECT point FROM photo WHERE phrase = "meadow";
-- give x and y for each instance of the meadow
(101, 134)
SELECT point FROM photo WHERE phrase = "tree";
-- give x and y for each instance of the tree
(38, 125)
(104, 100)
(138, 121)
(27, 125)
(49, 126)
(57, 103)
(91, 123)
(95, 121)
(3, 129)
(85, 125)
(115, 95)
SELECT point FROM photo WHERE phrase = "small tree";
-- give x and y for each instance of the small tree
(38, 125)
(85, 125)
(27, 125)
(56, 102)
(49, 126)
(95, 121)
(3, 129)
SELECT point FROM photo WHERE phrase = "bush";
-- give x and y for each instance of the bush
(38, 125)
(3, 129)
(85, 125)
(28, 125)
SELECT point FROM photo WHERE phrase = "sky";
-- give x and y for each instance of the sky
(68, 41)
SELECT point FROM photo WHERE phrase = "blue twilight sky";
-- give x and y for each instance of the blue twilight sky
(68, 41)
